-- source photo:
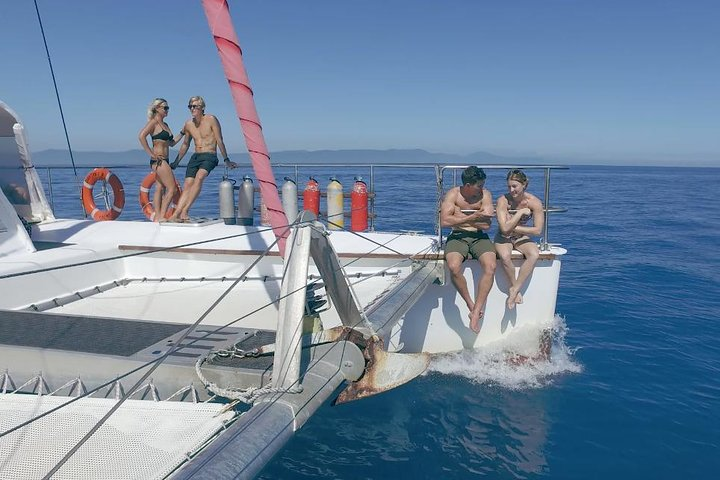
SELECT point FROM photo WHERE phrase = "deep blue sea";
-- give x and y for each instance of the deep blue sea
(633, 387)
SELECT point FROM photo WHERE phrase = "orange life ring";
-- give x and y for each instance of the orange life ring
(144, 197)
(88, 200)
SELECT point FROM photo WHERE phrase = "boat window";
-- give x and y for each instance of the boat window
(12, 177)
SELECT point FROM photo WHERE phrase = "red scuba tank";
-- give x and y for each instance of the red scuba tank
(359, 206)
(311, 196)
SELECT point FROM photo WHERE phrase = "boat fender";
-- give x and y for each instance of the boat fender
(246, 201)
(144, 198)
(359, 206)
(290, 199)
(227, 200)
(311, 196)
(88, 201)
(336, 219)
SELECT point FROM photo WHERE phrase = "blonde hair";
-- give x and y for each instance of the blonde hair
(197, 99)
(152, 108)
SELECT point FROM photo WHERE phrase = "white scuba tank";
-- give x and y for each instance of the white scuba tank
(335, 215)
(290, 199)
(227, 200)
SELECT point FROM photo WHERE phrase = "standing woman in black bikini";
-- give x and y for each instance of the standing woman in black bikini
(162, 140)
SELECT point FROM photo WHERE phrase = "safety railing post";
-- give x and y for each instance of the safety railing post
(545, 241)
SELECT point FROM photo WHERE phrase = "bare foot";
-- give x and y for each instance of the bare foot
(475, 318)
(512, 298)
(518, 298)
(162, 220)
(470, 306)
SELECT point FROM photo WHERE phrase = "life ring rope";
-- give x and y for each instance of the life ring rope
(88, 199)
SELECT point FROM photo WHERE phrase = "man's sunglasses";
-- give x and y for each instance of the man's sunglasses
(194, 106)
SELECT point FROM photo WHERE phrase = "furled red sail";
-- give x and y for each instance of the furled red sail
(228, 45)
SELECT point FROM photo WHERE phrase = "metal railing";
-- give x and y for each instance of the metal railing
(440, 175)
(371, 171)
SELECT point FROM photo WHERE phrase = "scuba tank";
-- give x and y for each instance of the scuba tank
(227, 200)
(246, 201)
(289, 199)
(335, 217)
(359, 206)
(311, 196)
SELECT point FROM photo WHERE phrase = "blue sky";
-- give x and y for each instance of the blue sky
(572, 81)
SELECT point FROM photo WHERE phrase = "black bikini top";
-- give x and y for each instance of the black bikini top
(163, 135)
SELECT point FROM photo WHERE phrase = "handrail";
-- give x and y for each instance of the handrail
(544, 244)
(440, 171)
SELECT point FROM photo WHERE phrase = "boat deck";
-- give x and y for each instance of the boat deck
(60, 346)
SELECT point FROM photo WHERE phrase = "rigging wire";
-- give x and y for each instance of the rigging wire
(157, 362)
(130, 255)
(155, 366)
(57, 93)
(178, 346)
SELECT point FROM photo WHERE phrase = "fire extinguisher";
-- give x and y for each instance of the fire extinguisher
(359, 206)
(311, 196)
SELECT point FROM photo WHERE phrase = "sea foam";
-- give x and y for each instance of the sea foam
(495, 365)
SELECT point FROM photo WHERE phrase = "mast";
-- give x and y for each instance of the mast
(228, 45)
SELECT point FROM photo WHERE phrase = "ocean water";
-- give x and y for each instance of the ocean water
(633, 386)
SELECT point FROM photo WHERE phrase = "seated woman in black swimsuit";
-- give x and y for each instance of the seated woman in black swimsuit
(515, 210)
(162, 140)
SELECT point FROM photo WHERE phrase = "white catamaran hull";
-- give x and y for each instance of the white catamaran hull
(181, 282)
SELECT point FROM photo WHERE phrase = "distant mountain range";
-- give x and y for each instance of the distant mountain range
(132, 157)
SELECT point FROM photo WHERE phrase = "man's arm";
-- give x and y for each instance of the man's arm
(183, 148)
(486, 212)
(217, 130)
(447, 209)
(177, 139)
(450, 217)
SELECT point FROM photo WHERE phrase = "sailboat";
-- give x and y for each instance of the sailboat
(134, 349)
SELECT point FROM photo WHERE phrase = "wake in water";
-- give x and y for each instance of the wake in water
(495, 366)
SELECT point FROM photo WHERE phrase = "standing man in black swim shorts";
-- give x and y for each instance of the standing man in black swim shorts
(206, 133)
(468, 209)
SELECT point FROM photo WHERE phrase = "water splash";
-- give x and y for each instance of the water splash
(495, 365)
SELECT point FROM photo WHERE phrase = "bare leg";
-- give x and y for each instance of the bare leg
(166, 183)
(454, 262)
(504, 250)
(532, 253)
(191, 193)
(157, 194)
(488, 264)
(183, 200)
